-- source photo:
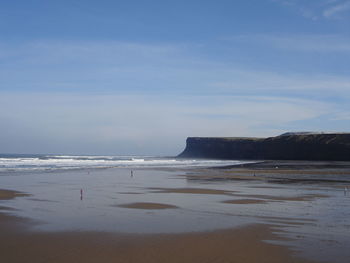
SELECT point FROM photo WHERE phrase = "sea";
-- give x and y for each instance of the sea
(35, 162)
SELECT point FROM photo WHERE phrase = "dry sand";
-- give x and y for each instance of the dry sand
(18, 245)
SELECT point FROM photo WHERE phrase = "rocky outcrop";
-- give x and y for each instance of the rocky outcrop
(289, 146)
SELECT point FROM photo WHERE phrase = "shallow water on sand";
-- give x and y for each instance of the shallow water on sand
(57, 203)
(315, 218)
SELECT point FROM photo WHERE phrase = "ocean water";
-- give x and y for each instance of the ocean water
(64, 162)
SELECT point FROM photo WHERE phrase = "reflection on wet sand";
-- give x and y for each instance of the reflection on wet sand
(308, 197)
(147, 206)
(191, 191)
(161, 216)
(223, 246)
(245, 201)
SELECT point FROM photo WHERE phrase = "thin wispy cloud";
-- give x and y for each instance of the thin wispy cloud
(337, 9)
(112, 67)
(120, 123)
(342, 116)
(260, 82)
(315, 10)
(128, 97)
(314, 43)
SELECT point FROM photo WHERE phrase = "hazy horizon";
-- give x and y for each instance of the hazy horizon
(121, 78)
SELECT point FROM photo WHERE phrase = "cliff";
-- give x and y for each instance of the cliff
(289, 146)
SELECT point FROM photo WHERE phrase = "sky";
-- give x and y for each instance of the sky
(139, 77)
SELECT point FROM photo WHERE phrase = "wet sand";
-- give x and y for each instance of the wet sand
(279, 213)
(300, 198)
(320, 166)
(262, 198)
(191, 191)
(279, 172)
(245, 201)
(8, 194)
(232, 245)
(150, 206)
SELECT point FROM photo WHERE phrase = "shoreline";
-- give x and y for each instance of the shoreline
(276, 171)
(267, 218)
(289, 165)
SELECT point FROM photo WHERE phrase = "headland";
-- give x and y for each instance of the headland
(288, 146)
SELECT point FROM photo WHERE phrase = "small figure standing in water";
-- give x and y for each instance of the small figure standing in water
(81, 194)
(132, 174)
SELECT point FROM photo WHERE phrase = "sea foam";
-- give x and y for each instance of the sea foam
(53, 162)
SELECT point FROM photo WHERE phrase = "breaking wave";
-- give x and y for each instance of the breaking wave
(53, 162)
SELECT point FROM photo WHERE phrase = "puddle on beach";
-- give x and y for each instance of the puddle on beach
(156, 201)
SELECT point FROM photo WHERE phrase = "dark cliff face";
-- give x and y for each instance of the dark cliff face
(289, 147)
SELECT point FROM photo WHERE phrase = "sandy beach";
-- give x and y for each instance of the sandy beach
(232, 245)
(195, 215)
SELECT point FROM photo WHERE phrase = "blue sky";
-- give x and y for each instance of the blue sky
(138, 77)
